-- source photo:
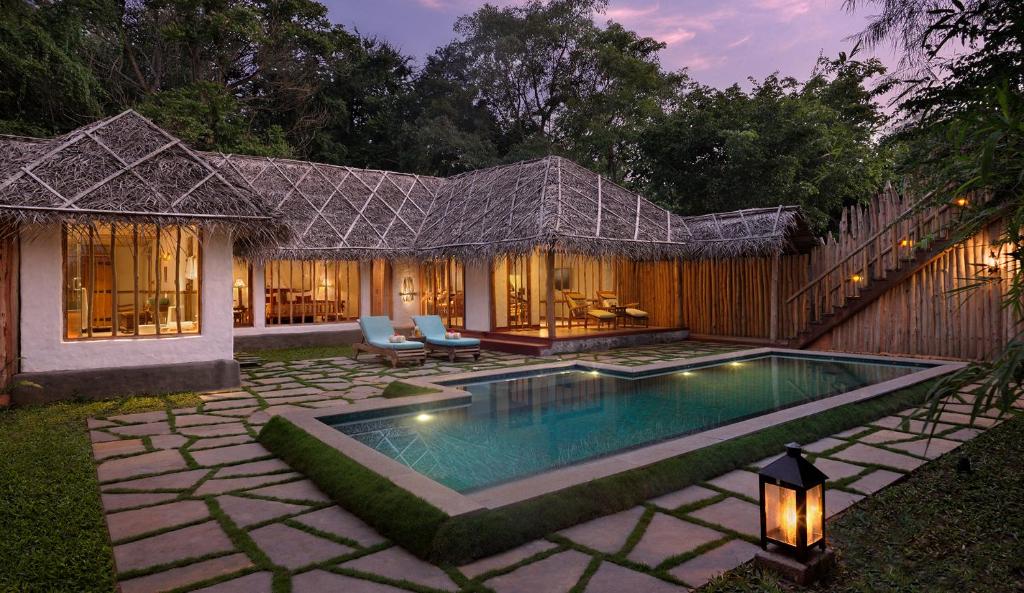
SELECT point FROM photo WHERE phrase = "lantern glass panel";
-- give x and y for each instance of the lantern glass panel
(814, 514)
(780, 513)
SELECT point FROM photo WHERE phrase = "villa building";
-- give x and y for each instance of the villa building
(130, 263)
(135, 263)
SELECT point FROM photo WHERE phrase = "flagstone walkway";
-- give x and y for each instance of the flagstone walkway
(194, 503)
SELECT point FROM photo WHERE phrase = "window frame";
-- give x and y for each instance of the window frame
(196, 232)
(273, 291)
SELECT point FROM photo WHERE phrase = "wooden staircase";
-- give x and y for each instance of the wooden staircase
(877, 249)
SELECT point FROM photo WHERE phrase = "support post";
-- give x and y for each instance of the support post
(551, 311)
(680, 308)
(773, 330)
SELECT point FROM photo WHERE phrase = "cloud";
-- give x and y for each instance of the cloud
(667, 23)
(631, 13)
(741, 41)
(698, 62)
(785, 10)
(677, 36)
(461, 6)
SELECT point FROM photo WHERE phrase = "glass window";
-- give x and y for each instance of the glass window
(241, 292)
(311, 291)
(124, 280)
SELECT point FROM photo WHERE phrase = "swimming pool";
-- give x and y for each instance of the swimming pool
(519, 425)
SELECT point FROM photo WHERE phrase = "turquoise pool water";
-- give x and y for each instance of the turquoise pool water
(518, 426)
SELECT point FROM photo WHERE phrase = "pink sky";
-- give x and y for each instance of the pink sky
(720, 42)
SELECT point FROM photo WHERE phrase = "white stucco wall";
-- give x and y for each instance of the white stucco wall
(43, 347)
(478, 296)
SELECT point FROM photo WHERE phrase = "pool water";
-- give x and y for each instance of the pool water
(518, 426)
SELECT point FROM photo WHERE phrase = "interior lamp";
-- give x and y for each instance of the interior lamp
(191, 270)
(239, 285)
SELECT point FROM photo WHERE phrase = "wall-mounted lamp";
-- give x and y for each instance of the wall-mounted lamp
(856, 278)
(962, 202)
(408, 290)
(992, 263)
(906, 242)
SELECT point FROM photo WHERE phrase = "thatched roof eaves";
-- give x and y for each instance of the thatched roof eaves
(125, 168)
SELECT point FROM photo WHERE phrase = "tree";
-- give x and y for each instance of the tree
(46, 86)
(208, 117)
(553, 81)
(365, 97)
(450, 130)
(627, 90)
(783, 142)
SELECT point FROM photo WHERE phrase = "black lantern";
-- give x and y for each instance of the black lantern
(792, 503)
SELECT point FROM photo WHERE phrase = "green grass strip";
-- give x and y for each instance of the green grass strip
(403, 389)
(305, 353)
(428, 532)
(396, 513)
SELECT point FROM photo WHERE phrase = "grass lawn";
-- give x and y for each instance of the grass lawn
(939, 531)
(308, 353)
(52, 532)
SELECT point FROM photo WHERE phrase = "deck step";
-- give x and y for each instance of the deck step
(510, 346)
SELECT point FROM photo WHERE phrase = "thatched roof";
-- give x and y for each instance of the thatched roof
(125, 168)
(337, 212)
(553, 203)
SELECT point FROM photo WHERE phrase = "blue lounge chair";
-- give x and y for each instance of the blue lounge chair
(434, 332)
(376, 334)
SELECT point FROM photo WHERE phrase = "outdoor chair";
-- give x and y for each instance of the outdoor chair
(580, 309)
(610, 300)
(434, 334)
(377, 333)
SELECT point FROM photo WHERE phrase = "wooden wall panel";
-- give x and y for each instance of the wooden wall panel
(381, 293)
(732, 298)
(655, 286)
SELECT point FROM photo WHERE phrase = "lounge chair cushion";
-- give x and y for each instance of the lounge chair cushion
(457, 343)
(376, 328)
(636, 313)
(601, 314)
(406, 345)
(434, 332)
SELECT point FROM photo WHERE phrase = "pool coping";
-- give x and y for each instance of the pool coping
(455, 503)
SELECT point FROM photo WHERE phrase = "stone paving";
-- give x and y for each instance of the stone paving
(194, 503)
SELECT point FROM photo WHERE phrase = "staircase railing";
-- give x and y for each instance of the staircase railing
(872, 242)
